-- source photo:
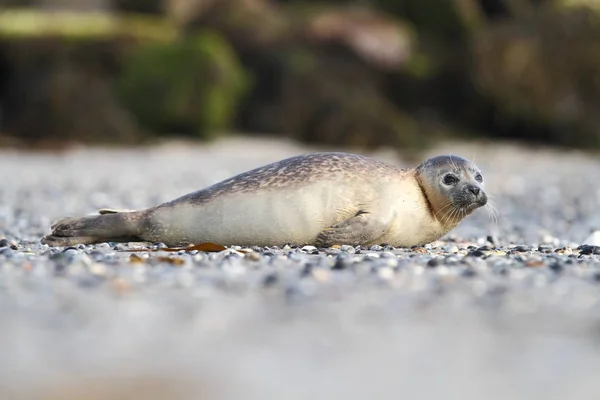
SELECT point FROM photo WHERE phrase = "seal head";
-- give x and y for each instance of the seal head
(453, 186)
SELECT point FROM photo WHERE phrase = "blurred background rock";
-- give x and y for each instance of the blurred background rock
(358, 74)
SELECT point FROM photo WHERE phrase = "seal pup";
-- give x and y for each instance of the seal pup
(320, 199)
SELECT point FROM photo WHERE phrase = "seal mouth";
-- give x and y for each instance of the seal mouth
(471, 205)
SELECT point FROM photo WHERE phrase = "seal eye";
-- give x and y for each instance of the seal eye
(479, 178)
(450, 180)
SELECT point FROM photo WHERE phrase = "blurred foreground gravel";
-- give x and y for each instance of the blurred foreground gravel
(506, 310)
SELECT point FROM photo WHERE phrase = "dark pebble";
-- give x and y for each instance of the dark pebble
(475, 253)
(307, 269)
(556, 267)
(469, 273)
(340, 263)
(522, 248)
(97, 255)
(7, 243)
(491, 239)
(270, 280)
(585, 249)
(434, 262)
(545, 248)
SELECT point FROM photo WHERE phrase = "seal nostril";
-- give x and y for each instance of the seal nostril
(475, 190)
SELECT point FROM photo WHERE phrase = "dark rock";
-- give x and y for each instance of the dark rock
(469, 273)
(7, 243)
(586, 249)
(434, 262)
(270, 280)
(556, 267)
(341, 263)
(475, 253)
(522, 248)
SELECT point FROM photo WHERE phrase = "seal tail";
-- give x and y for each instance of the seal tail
(109, 226)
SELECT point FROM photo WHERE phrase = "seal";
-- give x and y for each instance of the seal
(321, 199)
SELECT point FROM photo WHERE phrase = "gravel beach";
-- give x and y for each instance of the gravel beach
(505, 309)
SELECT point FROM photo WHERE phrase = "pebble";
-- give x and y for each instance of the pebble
(586, 249)
(348, 249)
(8, 243)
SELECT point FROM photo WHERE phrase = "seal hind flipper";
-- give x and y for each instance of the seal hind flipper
(361, 229)
(109, 227)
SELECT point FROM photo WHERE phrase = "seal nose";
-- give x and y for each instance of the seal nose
(475, 190)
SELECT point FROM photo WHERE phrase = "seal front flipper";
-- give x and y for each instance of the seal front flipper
(108, 227)
(361, 229)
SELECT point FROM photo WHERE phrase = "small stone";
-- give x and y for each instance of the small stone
(252, 256)
(270, 279)
(340, 263)
(70, 252)
(307, 269)
(348, 249)
(585, 249)
(451, 249)
(8, 243)
(535, 263)
(544, 248)
(309, 249)
(564, 251)
(419, 249)
(376, 248)
(522, 249)
(97, 255)
(469, 273)
(475, 253)
(434, 262)
(371, 256)
(556, 267)
(6, 251)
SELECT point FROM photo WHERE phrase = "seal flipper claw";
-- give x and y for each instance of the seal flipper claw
(361, 229)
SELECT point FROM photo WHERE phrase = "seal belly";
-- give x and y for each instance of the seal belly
(274, 217)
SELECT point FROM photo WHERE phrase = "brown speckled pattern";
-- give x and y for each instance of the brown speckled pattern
(439, 162)
(292, 172)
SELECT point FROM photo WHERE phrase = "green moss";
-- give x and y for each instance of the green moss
(15, 23)
(191, 86)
